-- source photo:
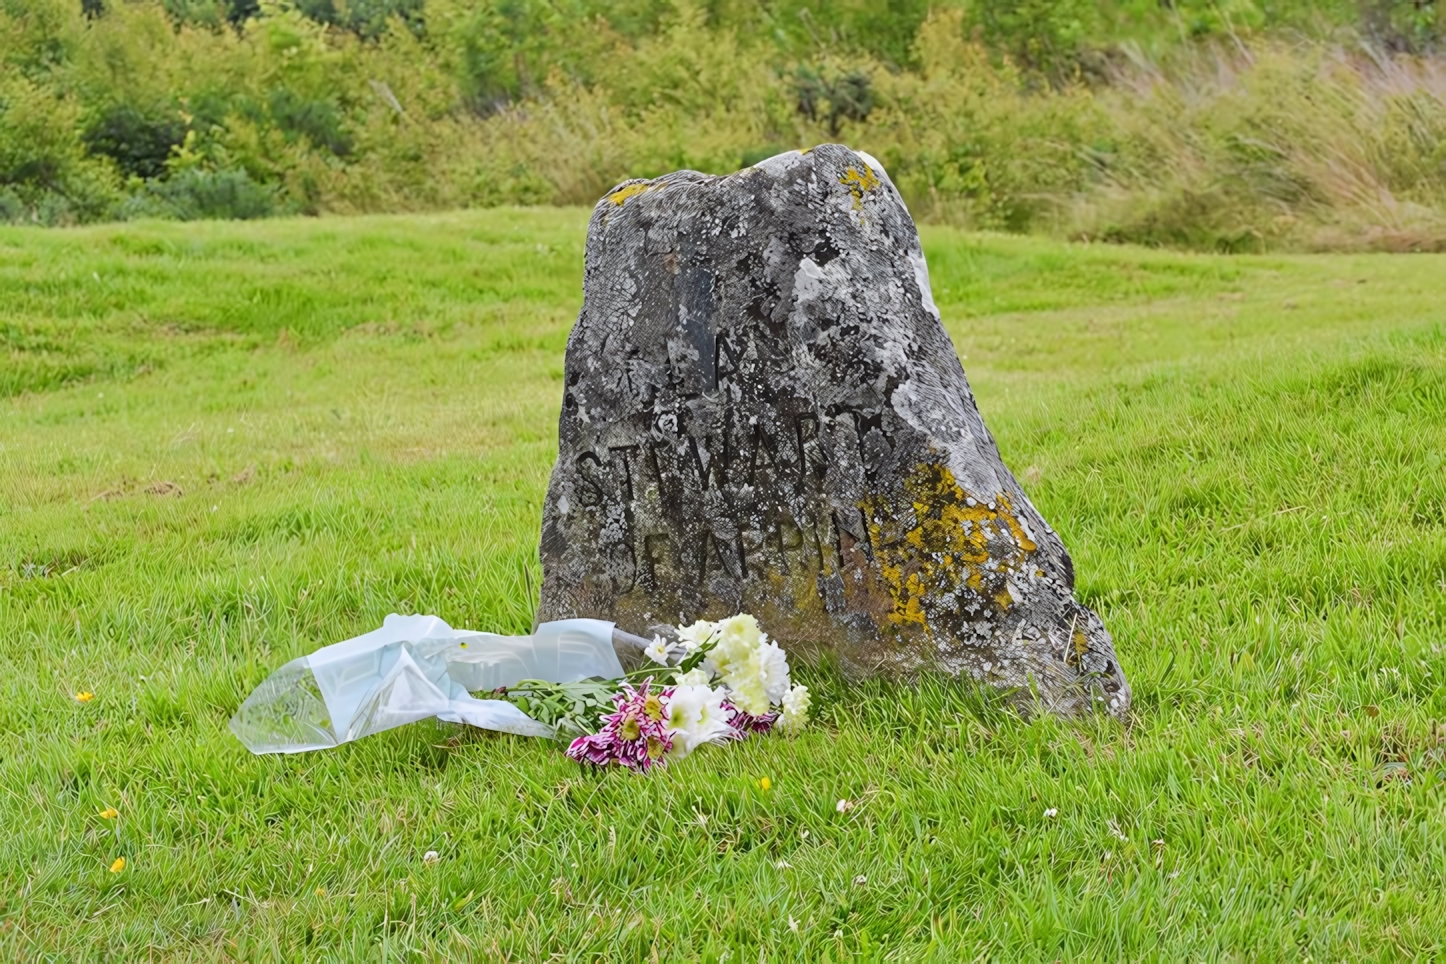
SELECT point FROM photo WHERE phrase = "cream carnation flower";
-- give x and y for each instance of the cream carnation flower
(738, 637)
(773, 670)
(741, 630)
(754, 669)
(745, 691)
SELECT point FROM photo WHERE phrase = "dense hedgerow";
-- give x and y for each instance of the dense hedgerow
(1230, 125)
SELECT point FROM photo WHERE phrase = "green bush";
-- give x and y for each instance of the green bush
(44, 166)
(12, 208)
(365, 18)
(194, 195)
(833, 99)
(1046, 36)
(318, 121)
(138, 141)
(212, 13)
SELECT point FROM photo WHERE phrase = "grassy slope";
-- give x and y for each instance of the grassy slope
(1244, 455)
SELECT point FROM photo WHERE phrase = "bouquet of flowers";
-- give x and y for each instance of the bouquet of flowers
(716, 682)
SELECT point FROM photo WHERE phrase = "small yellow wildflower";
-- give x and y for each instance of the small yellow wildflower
(765, 784)
(118, 866)
(109, 813)
(84, 696)
(321, 891)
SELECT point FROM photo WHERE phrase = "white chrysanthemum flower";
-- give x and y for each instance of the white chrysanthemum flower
(795, 709)
(657, 651)
(695, 677)
(696, 716)
(696, 635)
(773, 667)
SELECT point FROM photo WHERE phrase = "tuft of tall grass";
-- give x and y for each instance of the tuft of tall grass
(1272, 144)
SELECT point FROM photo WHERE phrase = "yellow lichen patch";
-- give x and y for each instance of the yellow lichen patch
(912, 611)
(858, 182)
(944, 560)
(1015, 529)
(632, 190)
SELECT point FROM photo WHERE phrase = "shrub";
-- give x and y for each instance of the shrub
(196, 194)
(965, 143)
(138, 141)
(43, 162)
(317, 120)
(835, 99)
(1046, 36)
(365, 18)
(11, 207)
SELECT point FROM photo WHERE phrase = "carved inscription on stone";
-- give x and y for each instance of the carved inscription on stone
(762, 413)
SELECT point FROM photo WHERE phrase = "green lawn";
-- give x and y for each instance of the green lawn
(224, 445)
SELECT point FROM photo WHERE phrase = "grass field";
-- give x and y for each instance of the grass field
(223, 445)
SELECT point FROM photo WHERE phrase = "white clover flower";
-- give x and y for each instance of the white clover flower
(657, 651)
(696, 716)
(695, 677)
(795, 709)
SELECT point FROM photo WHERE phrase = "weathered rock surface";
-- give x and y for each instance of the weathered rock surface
(763, 413)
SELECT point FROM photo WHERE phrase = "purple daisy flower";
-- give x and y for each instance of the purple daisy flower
(746, 724)
(635, 735)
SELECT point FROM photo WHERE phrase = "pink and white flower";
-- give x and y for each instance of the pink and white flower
(635, 735)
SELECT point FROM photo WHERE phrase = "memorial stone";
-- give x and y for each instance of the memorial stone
(763, 413)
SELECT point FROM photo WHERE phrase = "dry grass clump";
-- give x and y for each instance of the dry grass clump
(1271, 144)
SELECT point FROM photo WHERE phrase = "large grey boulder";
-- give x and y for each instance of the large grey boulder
(763, 413)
